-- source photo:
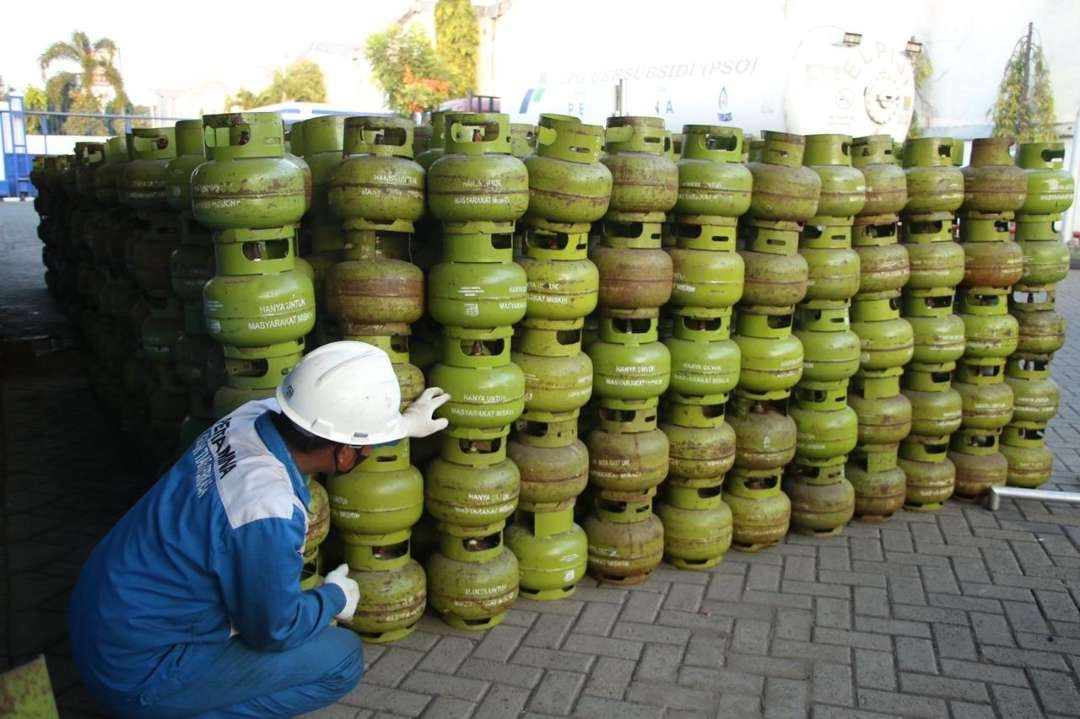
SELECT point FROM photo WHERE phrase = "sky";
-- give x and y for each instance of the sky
(237, 43)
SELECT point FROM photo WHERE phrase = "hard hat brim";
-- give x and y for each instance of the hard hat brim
(339, 437)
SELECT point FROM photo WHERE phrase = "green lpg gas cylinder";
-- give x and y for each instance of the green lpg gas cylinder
(373, 500)
(979, 463)
(377, 181)
(826, 427)
(472, 595)
(1039, 332)
(987, 399)
(479, 295)
(247, 181)
(551, 563)
(886, 184)
(645, 180)
(1046, 262)
(700, 364)
(1050, 187)
(883, 268)
(934, 184)
(369, 288)
(191, 266)
(939, 334)
(477, 179)
(436, 145)
(697, 526)
(471, 496)
(774, 280)
(760, 511)
(833, 272)
(560, 289)
(190, 153)
(568, 185)
(522, 139)
(992, 183)
(259, 310)
(936, 408)
(556, 384)
(627, 462)
(992, 264)
(480, 397)
(318, 512)
(990, 331)
(713, 182)
(699, 456)
(322, 151)
(1035, 395)
(822, 500)
(843, 187)
(935, 264)
(880, 485)
(549, 474)
(884, 414)
(704, 278)
(830, 349)
(1030, 462)
(628, 371)
(929, 484)
(764, 437)
(784, 190)
(772, 358)
(142, 181)
(887, 340)
(624, 553)
(106, 177)
(392, 601)
(633, 278)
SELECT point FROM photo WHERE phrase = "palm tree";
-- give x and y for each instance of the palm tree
(67, 90)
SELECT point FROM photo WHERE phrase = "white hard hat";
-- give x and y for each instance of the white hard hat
(345, 392)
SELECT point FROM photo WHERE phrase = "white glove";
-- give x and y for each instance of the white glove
(341, 578)
(418, 415)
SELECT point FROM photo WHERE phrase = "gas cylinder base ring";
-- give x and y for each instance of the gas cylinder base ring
(474, 625)
(621, 581)
(811, 532)
(757, 547)
(547, 595)
(695, 565)
(925, 507)
(389, 636)
(874, 518)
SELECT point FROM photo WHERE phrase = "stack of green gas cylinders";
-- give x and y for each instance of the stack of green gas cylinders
(628, 453)
(199, 359)
(886, 339)
(936, 268)
(568, 190)
(1042, 330)
(785, 195)
(364, 207)
(993, 189)
(154, 235)
(714, 191)
(258, 305)
(822, 499)
(477, 190)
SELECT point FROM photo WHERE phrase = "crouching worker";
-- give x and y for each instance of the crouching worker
(191, 605)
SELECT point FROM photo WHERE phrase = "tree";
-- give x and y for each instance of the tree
(301, 81)
(74, 92)
(922, 110)
(457, 41)
(34, 99)
(407, 69)
(1024, 108)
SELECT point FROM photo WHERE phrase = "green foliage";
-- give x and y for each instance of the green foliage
(1024, 109)
(922, 110)
(301, 81)
(457, 40)
(34, 99)
(67, 91)
(405, 66)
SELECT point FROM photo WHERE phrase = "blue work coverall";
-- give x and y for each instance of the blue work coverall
(191, 604)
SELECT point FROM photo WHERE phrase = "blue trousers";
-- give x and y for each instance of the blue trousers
(242, 682)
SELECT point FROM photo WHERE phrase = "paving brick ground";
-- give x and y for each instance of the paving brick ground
(964, 613)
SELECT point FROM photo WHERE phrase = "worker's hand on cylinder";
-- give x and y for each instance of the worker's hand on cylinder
(418, 415)
(341, 578)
